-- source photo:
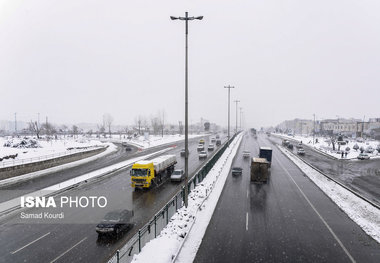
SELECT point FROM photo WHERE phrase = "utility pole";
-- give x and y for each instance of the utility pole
(240, 116)
(314, 129)
(236, 101)
(186, 18)
(228, 128)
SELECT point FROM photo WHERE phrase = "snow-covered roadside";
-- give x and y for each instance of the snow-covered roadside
(21, 178)
(361, 212)
(13, 203)
(324, 146)
(181, 238)
(15, 151)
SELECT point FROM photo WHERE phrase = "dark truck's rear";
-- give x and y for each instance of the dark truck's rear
(266, 152)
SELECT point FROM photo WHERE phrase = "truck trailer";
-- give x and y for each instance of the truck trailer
(146, 174)
(266, 152)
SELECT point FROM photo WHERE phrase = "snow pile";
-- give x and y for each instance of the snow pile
(361, 212)
(324, 145)
(186, 228)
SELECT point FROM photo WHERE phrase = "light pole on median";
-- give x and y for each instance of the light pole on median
(186, 18)
(236, 101)
(228, 128)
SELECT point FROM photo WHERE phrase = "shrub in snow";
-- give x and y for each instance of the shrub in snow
(362, 149)
(369, 149)
(348, 149)
(355, 147)
(23, 143)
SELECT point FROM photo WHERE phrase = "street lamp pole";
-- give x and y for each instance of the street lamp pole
(314, 129)
(240, 117)
(236, 101)
(186, 18)
(228, 128)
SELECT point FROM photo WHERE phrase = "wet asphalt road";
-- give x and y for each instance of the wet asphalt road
(74, 239)
(288, 219)
(363, 176)
(16, 190)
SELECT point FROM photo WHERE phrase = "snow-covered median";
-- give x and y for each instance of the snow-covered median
(181, 238)
(360, 211)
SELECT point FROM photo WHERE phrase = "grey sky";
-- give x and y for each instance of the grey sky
(75, 60)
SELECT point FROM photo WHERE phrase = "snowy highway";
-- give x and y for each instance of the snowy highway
(289, 219)
(74, 238)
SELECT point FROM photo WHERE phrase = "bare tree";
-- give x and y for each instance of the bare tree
(161, 119)
(108, 120)
(155, 122)
(139, 121)
(180, 127)
(101, 130)
(75, 130)
(34, 128)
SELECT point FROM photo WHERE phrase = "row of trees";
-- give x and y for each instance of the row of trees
(155, 124)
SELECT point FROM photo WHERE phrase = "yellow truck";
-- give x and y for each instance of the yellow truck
(146, 174)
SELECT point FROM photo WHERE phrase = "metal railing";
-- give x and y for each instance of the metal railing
(14, 162)
(154, 226)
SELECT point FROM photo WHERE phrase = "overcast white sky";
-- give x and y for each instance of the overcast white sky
(75, 60)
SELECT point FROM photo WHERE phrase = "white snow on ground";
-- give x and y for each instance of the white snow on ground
(106, 170)
(154, 140)
(188, 225)
(361, 212)
(44, 150)
(17, 179)
(325, 146)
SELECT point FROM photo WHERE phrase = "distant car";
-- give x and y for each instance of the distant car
(202, 155)
(363, 156)
(301, 151)
(236, 171)
(213, 139)
(124, 143)
(115, 222)
(217, 136)
(200, 147)
(183, 152)
(218, 142)
(201, 141)
(177, 175)
(210, 147)
(128, 148)
(246, 154)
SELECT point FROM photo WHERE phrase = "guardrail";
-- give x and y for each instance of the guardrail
(4, 164)
(154, 226)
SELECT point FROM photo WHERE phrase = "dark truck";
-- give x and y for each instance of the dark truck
(266, 152)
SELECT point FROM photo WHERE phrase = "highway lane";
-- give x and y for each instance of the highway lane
(289, 219)
(74, 237)
(362, 176)
(16, 190)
